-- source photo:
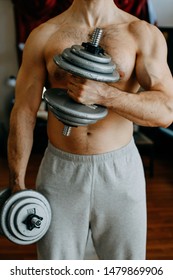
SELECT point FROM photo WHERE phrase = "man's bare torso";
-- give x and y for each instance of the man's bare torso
(113, 131)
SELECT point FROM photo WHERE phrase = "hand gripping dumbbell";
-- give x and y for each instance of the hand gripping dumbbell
(25, 216)
(89, 61)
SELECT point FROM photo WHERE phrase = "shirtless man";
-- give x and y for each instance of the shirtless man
(94, 178)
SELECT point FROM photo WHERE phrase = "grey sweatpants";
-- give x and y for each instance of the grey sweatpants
(102, 193)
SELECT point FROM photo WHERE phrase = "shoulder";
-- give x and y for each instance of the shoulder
(146, 35)
(41, 34)
(142, 27)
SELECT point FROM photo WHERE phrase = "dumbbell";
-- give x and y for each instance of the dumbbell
(89, 61)
(25, 216)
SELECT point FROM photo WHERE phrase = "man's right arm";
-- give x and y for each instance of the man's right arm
(28, 94)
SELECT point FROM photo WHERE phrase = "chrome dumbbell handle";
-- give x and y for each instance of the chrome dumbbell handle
(96, 37)
(66, 130)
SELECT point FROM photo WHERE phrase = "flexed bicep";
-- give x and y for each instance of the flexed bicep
(152, 70)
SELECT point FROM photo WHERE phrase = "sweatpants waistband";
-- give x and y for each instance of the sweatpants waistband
(118, 153)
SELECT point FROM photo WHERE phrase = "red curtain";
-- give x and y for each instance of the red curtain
(138, 8)
(30, 14)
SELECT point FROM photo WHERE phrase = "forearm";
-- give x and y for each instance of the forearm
(20, 143)
(147, 108)
(152, 107)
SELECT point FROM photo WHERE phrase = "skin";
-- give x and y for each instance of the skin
(140, 53)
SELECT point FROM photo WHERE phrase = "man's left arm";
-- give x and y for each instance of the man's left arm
(151, 107)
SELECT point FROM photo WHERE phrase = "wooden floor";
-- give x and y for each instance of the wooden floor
(160, 209)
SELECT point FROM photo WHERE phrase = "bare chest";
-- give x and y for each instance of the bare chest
(118, 45)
